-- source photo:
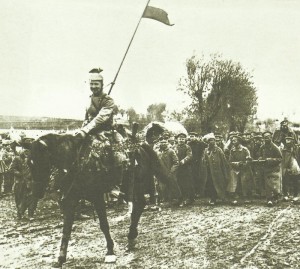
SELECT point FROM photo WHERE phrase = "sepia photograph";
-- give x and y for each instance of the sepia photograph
(150, 134)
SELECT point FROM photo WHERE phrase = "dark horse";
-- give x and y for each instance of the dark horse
(63, 152)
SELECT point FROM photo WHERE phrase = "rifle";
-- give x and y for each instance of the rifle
(244, 163)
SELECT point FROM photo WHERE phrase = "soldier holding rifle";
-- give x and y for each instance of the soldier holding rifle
(241, 180)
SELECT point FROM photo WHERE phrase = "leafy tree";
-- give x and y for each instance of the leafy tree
(221, 91)
(155, 112)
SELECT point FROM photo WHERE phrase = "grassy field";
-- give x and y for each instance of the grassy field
(197, 236)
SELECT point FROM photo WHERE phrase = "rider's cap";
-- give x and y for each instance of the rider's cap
(95, 74)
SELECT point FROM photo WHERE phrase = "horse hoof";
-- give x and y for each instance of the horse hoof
(57, 265)
(131, 245)
(110, 259)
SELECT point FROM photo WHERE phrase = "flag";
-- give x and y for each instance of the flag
(156, 14)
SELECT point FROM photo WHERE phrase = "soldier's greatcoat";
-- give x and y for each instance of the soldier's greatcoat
(170, 161)
(184, 173)
(240, 170)
(271, 169)
(215, 163)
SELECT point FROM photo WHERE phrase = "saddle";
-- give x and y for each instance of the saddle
(101, 153)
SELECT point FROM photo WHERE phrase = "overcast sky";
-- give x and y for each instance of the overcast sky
(47, 48)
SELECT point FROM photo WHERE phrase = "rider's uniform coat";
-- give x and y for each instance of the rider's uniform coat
(99, 115)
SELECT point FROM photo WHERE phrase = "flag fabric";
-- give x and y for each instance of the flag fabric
(156, 14)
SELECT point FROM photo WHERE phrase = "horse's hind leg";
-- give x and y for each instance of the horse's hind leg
(101, 212)
(137, 210)
(68, 207)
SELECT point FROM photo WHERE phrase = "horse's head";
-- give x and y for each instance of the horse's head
(51, 150)
(39, 160)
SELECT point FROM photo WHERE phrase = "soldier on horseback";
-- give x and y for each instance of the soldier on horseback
(98, 125)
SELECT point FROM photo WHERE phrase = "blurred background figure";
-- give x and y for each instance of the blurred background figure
(271, 155)
(184, 174)
(216, 170)
(23, 182)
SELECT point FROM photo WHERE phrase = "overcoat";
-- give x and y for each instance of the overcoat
(240, 169)
(272, 168)
(215, 161)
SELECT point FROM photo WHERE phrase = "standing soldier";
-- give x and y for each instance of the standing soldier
(279, 136)
(272, 157)
(23, 185)
(290, 169)
(219, 141)
(197, 147)
(172, 142)
(257, 169)
(228, 145)
(184, 174)
(8, 176)
(241, 182)
(170, 160)
(216, 170)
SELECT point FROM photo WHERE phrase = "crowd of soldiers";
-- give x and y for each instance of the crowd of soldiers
(236, 170)
(15, 177)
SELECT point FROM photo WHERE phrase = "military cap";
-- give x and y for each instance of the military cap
(231, 134)
(193, 133)
(181, 135)
(237, 136)
(284, 122)
(257, 135)
(171, 139)
(290, 138)
(95, 74)
(209, 136)
(267, 133)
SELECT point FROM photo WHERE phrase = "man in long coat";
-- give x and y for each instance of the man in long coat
(257, 169)
(184, 173)
(271, 154)
(290, 169)
(197, 146)
(241, 180)
(170, 160)
(215, 170)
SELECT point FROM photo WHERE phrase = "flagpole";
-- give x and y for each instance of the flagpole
(114, 81)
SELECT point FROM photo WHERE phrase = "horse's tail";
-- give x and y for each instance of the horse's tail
(157, 167)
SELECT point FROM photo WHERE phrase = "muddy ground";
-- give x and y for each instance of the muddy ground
(197, 236)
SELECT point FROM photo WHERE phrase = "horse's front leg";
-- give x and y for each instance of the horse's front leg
(100, 208)
(68, 208)
(137, 210)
